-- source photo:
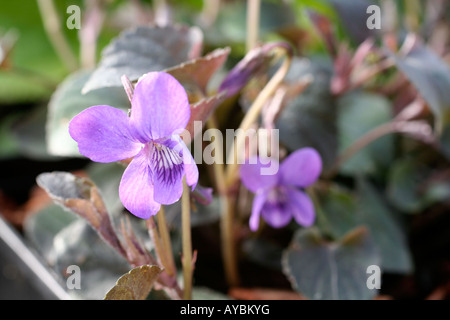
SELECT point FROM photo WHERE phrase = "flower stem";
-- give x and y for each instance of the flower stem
(227, 216)
(231, 175)
(186, 241)
(52, 24)
(166, 242)
(154, 235)
(252, 115)
(253, 13)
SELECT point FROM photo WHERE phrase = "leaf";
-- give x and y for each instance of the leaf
(81, 196)
(254, 63)
(231, 21)
(340, 211)
(32, 51)
(431, 77)
(309, 119)
(67, 101)
(142, 50)
(353, 16)
(385, 228)
(324, 271)
(198, 72)
(359, 113)
(41, 227)
(337, 211)
(135, 285)
(410, 187)
(100, 265)
(200, 112)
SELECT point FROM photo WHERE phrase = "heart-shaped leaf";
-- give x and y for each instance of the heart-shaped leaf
(430, 75)
(144, 49)
(81, 196)
(323, 271)
(359, 113)
(135, 285)
(197, 73)
(309, 119)
(386, 229)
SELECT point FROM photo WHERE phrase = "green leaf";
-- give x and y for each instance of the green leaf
(135, 285)
(309, 119)
(229, 27)
(431, 77)
(144, 49)
(337, 212)
(100, 265)
(411, 187)
(323, 271)
(353, 16)
(81, 196)
(35, 58)
(196, 74)
(67, 101)
(41, 227)
(359, 113)
(386, 229)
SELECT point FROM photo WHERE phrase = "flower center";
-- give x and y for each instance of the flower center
(167, 162)
(277, 195)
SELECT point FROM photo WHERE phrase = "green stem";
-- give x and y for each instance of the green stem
(166, 242)
(253, 13)
(186, 241)
(226, 223)
(52, 25)
(251, 117)
(228, 179)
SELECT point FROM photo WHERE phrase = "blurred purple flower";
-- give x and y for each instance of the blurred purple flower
(159, 112)
(277, 197)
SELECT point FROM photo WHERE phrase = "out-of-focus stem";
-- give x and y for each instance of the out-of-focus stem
(166, 242)
(89, 32)
(52, 25)
(210, 11)
(186, 241)
(251, 116)
(253, 13)
(228, 199)
(154, 235)
(227, 216)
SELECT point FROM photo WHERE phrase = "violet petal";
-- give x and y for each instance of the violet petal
(258, 203)
(167, 173)
(160, 107)
(251, 176)
(103, 134)
(276, 214)
(136, 189)
(301, 206)
(301, 168)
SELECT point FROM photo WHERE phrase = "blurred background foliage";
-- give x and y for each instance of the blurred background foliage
(396, 183)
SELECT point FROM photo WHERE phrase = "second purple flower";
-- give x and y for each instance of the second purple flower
(277, 196)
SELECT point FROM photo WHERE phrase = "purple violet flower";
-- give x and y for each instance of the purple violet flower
(277, 197)
(159, 113)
